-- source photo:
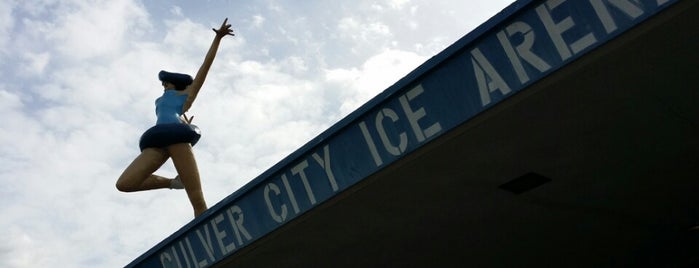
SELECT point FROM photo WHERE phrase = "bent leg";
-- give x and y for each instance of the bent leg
(186, 166)
(138, 176)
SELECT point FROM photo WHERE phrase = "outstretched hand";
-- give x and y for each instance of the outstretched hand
(224, 30)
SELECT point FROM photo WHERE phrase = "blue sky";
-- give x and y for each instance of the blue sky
(81, 79)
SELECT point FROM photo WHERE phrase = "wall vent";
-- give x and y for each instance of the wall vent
(524, 183)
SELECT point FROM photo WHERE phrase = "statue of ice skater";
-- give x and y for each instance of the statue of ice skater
(173, 135)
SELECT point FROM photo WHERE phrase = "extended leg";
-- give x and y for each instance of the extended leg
(138, 176)
(186, 166)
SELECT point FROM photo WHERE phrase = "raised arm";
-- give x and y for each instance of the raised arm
(193, 89)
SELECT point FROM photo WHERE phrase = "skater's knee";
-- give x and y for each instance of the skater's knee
(123, 186)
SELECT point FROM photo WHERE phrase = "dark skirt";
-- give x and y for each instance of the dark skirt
(161, 136)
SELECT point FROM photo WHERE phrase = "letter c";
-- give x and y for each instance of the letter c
(274, 188)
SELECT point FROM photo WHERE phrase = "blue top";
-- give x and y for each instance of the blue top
(168, 107)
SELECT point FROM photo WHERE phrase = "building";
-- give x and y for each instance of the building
(558, 133)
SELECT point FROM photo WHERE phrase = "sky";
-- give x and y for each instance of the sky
(80, 80)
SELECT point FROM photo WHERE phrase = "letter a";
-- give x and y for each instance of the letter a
(482, 67)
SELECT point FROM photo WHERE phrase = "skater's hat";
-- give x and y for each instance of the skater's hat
(178, 79)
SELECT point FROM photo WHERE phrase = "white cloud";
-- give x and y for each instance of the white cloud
(176, 10)
(36, 62)
(185, 37)
(18, 245)
(362, 31)
(397, 4)
(257, 20)
(375, 75)
(6, 23)
(91, 29)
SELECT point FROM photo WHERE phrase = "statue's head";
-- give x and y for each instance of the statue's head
(180, 81)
